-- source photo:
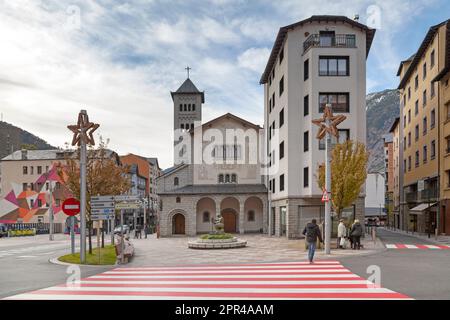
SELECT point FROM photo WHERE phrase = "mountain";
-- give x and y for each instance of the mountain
(382, 109)
(13, 138)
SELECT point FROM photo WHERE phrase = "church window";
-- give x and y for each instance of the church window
(251, 215)
(189, 107)
(193, 107)
(227, 178)
(178, 200)
(176, 181)
(186, 126)
(206, 216)
(182, 126)
(220, 178)
(192, 126)
(181, 107)
(233, 178)
(185, 107)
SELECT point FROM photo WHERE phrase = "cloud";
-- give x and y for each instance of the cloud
(254, 59)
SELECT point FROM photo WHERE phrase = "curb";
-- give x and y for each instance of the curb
(56, 261)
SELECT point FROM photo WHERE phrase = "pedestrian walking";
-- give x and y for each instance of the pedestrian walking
(356, 234)
(342, 233)
(146, 231)
(312, 233)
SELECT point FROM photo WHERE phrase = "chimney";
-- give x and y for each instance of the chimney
(356, 17)
(24, 154)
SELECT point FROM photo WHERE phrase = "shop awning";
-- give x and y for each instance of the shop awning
(422, 207)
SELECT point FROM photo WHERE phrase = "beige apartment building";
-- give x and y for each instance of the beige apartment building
(389, 176)
(420, 152)
(313, 62)
(396, 165)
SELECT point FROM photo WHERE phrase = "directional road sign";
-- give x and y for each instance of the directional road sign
(101, 217)
(102, 204)
(127, 205)
(102, 211)
(126, 198)
(102, 199)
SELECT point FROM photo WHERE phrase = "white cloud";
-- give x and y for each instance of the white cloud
(254, 59)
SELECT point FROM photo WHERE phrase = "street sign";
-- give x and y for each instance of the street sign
(127, 205)
(102, 199)
(71, 207)
(102, 211)
(126, 198)
(102, 204)
(101, 217)
(325, 197)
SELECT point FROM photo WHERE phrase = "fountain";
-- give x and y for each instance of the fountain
(218, 239)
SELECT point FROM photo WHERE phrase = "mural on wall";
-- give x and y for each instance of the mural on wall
(21, 206)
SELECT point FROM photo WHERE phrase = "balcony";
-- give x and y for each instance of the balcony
(411, 197)
(336, 41)
(429, 195)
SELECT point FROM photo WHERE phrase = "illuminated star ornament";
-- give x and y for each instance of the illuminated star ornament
(334, 121)
(83, 130)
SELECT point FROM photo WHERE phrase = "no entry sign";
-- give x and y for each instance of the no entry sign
(71, 206)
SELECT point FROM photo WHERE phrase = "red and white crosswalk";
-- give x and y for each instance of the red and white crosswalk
(294, 280)
(417, 246)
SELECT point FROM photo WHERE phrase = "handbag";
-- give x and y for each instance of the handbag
(342, 242)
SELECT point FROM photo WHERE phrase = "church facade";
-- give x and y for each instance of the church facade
(217, 171)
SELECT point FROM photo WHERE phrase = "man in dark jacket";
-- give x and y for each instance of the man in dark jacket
(312, 233)
(356, 234)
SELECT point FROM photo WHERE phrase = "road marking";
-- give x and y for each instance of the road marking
(417, 246)
(252, 281)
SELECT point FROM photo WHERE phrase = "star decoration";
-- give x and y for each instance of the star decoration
(83, 130)
(334, 122)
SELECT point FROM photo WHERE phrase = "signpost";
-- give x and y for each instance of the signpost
(71, 207)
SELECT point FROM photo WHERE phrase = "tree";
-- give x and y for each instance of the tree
(104, 176)
(348, 174)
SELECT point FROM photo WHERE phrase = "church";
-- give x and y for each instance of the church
(217, 171)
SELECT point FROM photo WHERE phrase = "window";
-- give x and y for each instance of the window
(409, 139)
(270, 105)
(447, 139)
(233, 178)
(178, 200)
(322, 144)
(333, 66)
(182, 126)
(432, 90)
(25, 170)
(24, 186)
(282, 150)
(270, 185)
(404, 165)
(176, 181)
(339, 102)
(417, 158)
(221, 178)
(189, 107)
(433, 119)
(416, 82)
(39, 201)
(31, 203)
(46, 168)
(192, 126)
(282, 182)
(344, 135)
(227, 178)
(409, 163)
(404, 122)
(58, 185)
(417, 132)
(281, 55)
(32, 170)
(306, 70)
(39, 169)
(281, 86)
(206, 216)
(273, 100)
(448, 177)
(251, 215)
(306, 177)
(227, 152)
(273, 185)
(306, 141)
(425, 154)
(424, 96)
(432, 59)
(409, 93)
(193, 107)
(306, 105)
(281, 117)
(433, 149)
(47, 186)
(185, 107)
(416, 108)
(425, 125)
(447, 108)
(424, 70)
(409, 116)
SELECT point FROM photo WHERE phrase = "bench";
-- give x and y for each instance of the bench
(128, 252)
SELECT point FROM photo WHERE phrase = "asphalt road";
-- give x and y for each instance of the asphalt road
(420, 274)
(26, 267)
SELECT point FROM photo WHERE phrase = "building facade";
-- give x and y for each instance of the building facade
(420, 133)
(329, 68)
(395, 131)
(215, 173)
(388, 143)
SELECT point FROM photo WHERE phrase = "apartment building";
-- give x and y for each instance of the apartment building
(442, 83)
(420, 136)
(396, 169)
(388, 143)
(313, 62)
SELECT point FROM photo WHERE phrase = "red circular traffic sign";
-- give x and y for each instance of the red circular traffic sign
(71, 206)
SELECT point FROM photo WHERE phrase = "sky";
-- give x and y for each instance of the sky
(119, 60)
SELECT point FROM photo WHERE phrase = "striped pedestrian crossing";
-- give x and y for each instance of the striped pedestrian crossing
(417, 246)
(295, 280)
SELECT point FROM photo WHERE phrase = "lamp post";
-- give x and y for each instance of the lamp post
(82, 136)
(328, 127)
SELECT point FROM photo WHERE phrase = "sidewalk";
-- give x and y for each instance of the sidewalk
(440, 239)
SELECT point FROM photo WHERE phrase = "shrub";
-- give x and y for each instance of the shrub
(216, 236)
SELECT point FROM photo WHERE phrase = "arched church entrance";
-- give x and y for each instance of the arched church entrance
(229, 220)
(178, 224)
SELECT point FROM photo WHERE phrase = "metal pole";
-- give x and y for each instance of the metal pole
(72, 234)
(122, 244)
(328, 189)
(83, 199)
(112, 226)
(50, 213)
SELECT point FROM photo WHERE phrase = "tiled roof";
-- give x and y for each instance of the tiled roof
(219, 188)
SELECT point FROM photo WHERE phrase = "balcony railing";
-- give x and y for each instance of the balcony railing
(428, 194)
(336, 41)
